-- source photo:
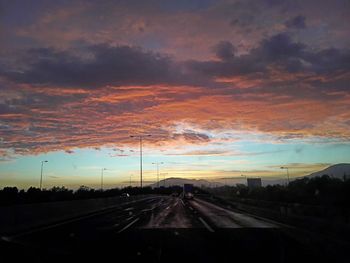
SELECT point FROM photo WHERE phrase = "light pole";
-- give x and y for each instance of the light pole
(41, 173)
(286, 168)
(245, 178)
(157, 164)
(103, 169)
(164, 174)
(140, 138)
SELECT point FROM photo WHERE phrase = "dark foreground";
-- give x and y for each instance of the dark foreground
(167, 229)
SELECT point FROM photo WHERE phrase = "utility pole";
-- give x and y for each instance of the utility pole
(164, 174)
(286, 168)
(41, 173)
(140, 138)
(103, 169)
(157, 164)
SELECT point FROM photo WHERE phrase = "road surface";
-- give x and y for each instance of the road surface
(160, 229)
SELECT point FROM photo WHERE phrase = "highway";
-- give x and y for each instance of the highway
(159, 229)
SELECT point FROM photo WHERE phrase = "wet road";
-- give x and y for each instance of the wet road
(159, 229)
(174, 212)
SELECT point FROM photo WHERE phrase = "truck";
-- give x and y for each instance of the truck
(188, 191)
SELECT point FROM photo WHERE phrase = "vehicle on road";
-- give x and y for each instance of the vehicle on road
(188, 191)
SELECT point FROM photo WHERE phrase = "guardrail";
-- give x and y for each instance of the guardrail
(19, 218)
(293, 214)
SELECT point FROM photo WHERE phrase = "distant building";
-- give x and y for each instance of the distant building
(254, 183)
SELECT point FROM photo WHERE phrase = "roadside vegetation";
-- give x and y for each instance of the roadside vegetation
(12, 195)
(323, 191)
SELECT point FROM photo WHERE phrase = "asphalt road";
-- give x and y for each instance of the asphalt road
(163, 229)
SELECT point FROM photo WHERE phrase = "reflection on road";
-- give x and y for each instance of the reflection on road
(161, 228)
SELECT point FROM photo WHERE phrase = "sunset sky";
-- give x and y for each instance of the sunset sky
(225, 88)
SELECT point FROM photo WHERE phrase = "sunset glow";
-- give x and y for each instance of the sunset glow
(224, 92)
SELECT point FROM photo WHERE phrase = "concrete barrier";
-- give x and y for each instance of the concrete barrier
(317, 219)
(19, 218)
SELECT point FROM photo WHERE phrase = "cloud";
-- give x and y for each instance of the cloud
(224, 50)
(95, 96)
(204, 153)
(297, 22)
(192, 137)
(96, 66)
(280, 65)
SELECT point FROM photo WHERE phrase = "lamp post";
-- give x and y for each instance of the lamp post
(103, 169)
(244, 177)
(140, 138)
(164, 174)
(41, 173)
(286, 168)
(157, 164)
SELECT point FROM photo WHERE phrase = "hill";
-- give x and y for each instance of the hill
(173, 181)
(336, 171)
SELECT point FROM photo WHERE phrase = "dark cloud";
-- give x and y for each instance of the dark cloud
(192, 136)
(297, 22)
(279, 46)
(224, 50)
(103, 65)
(8, 109)
(281, 52)
(99, 65)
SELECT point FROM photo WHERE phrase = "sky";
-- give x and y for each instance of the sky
(226, 88)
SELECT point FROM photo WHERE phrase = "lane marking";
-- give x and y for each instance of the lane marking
(206, 225)
(129, 218)
(102, 212)
(190, 207)
(128, 225)
(182, 202)
(6, 238)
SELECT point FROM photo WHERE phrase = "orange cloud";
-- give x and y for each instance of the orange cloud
(107, 117)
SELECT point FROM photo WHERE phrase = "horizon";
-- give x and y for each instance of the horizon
(226, 181)
(224, 88)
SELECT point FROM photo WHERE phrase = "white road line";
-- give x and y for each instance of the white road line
(182, 202)
(190, 207)
(129, 218)
(104, 211)
(7, 239)
(128, 225)
(167, 208)
(206, 225)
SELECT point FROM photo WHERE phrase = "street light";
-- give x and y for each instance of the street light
(103, 169)
(41, 174)
(164, 174)
(157, 164)
(286, 168)
(130, 179)
(225, 180)
(140, 138)
(246, 178)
